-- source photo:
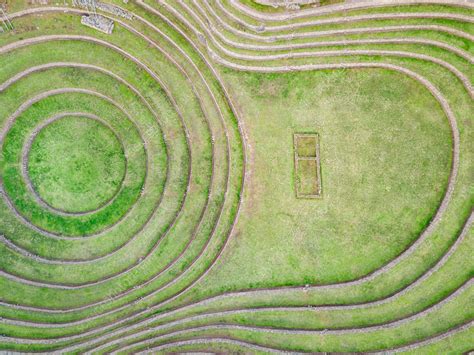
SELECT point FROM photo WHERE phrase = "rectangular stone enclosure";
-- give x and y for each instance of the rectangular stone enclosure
(307, 165)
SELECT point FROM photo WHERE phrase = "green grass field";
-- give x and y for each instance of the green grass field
(231, 177)
(76, 164)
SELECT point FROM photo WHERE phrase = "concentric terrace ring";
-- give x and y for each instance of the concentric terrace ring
(147, 300)
(89, 283)
(37, 100)
(26, 162)
(25, 252)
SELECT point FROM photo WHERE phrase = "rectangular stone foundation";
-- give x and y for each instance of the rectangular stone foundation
(307, 165)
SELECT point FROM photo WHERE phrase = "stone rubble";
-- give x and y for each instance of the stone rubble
(288, 4)
(98, 22)
(112, 9)
(115, 10)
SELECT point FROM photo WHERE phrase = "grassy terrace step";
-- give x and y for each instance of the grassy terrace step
(343, 20)
(426, 32)
(234, 41)
(239, 39)
(292, 32)
(229, 10)
(237, 175)
(422, 293)
(438, 52)
(305, 317)
(176, 153)
(457, 343)
(60, 74)
(386, 337)
(358, 115)
(73, 225)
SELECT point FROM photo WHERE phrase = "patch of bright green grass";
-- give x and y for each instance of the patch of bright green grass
(76, 164)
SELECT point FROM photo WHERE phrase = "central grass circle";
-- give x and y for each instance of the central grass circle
(76, 164)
